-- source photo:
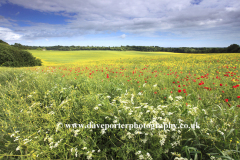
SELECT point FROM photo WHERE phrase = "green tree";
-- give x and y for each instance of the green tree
(233, 48)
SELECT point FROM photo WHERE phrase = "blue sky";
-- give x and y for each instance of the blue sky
(185, 23)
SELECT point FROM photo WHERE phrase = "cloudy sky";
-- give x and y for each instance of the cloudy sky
(165, 23)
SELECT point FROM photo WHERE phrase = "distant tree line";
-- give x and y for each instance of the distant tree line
(234, 48)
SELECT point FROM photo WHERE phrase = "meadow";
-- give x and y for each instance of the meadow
(122, 87)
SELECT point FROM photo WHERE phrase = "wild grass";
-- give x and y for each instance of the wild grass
(37, 102)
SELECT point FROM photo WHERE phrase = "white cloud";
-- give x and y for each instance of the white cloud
(123, 36)
(7, 34)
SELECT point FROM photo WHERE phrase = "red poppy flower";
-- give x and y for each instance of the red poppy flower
(238, 96)
(226, 100)
(220, 84)
(155, 92)
(107, 76)
(179, 90)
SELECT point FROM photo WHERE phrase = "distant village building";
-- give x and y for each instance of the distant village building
(44, 49)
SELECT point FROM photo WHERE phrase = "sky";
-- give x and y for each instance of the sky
(164, 23)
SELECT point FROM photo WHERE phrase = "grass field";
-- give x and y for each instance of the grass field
(41, 105)
(63, 57)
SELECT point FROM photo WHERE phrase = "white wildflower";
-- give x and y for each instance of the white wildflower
(138, 152)
(138, 132)
(18, 148)
(170, 98)
(96, 108)
(58, 126)
(51, 113)
(155, 85)
(141, 157)
(179, 97)
(103, 131)
(76, 132)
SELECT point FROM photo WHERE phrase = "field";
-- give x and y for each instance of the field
(159, 89)
(71, 57)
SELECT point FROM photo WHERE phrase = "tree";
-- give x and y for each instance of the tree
(233, 48)
(14, 57)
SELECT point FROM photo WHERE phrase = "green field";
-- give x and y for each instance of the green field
(41, 105)
(63, 57)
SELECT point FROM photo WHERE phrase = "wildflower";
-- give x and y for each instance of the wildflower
(138, 132)
(179, 97)
(155, 85)
(51, 113)
(107, 76)
(99, 105)
(141, 157)
(84, 148)
(75, 154)
(76, 133)
(58, 126)
(170, 98)
(99, 151)
(96, 108)
(18, 148)
(108, 97)
(238, 96)
(179, 91)
(103, 131)
(226, 100)
(138, 152)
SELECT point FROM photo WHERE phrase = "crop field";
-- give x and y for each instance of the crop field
(45, 110)
(70, 57)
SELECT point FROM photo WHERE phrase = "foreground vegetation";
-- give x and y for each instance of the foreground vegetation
(37, 102)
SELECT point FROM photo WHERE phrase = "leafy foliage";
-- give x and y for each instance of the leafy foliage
(14, 57)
